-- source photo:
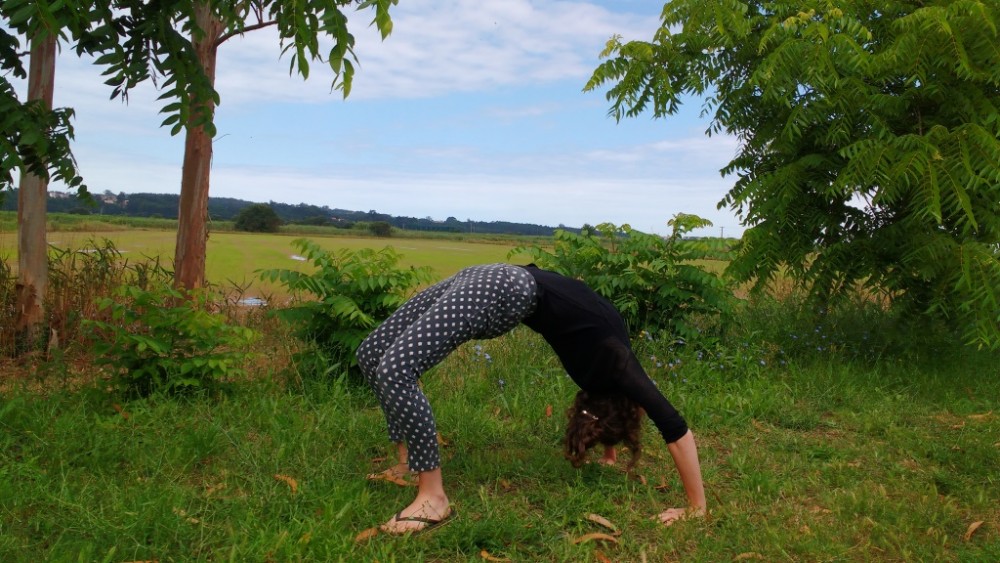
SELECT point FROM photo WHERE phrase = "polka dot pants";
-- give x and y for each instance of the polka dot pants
(477, 303)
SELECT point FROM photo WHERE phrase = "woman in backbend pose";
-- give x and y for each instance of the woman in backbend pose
(586, 333)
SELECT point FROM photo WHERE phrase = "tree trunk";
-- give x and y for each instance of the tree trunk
(192, 213)
(32, 257)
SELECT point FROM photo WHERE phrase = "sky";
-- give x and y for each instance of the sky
(472, 109)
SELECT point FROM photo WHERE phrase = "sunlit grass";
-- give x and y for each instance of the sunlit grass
(817, 459)
(851, 436)
(234, 258)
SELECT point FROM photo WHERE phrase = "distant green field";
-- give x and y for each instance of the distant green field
(233, 258)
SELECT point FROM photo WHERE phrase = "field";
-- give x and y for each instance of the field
(848, 438)
(233, 258)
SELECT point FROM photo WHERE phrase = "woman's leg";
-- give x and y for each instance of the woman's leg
(373, 348)
(476, 304)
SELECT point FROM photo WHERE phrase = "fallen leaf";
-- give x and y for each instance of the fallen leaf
(595, 537)
(292, 483)
(548, 410)
(983, 416)
(366, 535)
(214, 489)
(598, 519)
(180, 512)
(379, 459)
(663, 486)
(305, 538)
(601, 557)
(118, 408)
(972, 529)
(399, 481)
(442, 442)
(392, 477)
(486, 555)
(505, 485)
(748, 555)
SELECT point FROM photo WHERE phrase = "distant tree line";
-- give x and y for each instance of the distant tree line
(228, 209)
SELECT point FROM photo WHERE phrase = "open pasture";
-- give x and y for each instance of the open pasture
(233, 258)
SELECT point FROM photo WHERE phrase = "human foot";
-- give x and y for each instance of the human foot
(423, 519)
(672, 515)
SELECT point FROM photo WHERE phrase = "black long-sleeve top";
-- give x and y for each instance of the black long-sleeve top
(590, 338)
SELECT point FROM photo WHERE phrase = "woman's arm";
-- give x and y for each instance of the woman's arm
(685, 454)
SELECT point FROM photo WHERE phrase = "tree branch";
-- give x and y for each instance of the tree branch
(253, 27)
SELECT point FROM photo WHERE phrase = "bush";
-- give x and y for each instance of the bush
(258, 218)
(164, 340)
(653, 281)
(380, 229)
(350, 293)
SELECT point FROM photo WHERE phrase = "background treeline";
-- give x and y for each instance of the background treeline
(226, 209)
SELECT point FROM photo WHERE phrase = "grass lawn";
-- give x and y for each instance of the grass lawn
(806, 458)
(847, 440)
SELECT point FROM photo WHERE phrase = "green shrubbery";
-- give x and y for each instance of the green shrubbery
(348, 294)
(655, 282)
(165, 340)
(257, 218)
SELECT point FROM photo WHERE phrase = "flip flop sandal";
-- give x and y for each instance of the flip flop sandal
(430, 523)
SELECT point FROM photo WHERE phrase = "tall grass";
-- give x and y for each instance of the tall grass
(80, 278)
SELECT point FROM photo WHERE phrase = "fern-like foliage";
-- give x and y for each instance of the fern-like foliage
(347, 294)
(658, 284)
(869, 140)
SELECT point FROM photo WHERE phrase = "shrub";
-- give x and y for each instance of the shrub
(380, 229)
(652, 280)
(350, 292)
(164, 340)
(258, 218)
(78, 281)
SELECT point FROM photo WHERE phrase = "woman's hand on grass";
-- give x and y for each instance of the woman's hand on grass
(671, 515)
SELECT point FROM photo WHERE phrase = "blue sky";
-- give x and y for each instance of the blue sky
(471, 109)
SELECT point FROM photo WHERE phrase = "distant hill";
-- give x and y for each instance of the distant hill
(226, 209)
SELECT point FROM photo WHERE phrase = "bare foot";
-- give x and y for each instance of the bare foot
(610, 456)
(422, 514)
(672, 515)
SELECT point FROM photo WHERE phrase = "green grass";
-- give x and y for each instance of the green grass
(854, 437)
(817, 459)
(234, 258)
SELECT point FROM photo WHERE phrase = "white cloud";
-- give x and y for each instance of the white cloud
(500, 53)
(437, 47)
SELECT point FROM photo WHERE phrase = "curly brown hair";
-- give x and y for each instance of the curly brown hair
(602, 419)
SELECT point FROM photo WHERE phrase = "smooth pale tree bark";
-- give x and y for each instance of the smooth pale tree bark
(32, 257)
(192, 225)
